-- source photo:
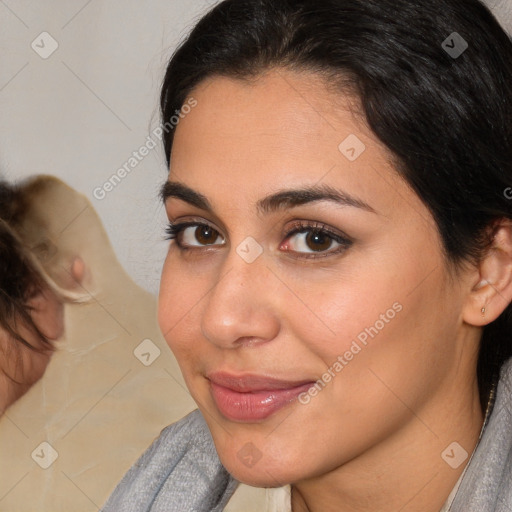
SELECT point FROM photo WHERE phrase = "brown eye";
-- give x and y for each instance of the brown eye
(206, 235)
(310, 241)
(195, 235)
(318, 241)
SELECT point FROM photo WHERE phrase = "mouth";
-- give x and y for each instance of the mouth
(251, 398)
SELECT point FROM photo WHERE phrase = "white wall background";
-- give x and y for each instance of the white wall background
(80, 113)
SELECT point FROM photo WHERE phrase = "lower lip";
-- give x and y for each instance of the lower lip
(253, 406)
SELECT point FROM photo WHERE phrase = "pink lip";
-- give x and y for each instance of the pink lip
(249, 398)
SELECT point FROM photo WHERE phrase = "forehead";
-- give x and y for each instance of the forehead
(285, 129)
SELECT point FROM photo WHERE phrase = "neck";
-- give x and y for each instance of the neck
(407, 471)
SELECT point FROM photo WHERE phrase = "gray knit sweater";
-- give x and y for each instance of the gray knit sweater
(181, 472)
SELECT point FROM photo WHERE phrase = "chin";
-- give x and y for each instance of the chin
(261, 474)
(260, 464)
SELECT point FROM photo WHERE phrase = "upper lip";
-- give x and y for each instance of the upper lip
(246, 383)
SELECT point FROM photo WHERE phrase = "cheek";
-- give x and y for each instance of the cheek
(332, 312)
(392, 345)
(379, 296)
(180, 296)
(374, 333)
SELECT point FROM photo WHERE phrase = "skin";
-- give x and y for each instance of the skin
(372, 439)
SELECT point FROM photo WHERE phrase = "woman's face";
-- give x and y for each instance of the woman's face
(301, 257)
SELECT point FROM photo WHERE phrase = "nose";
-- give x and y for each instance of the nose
(242, 308)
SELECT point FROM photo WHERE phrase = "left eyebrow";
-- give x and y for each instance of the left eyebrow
(278, 201)
(297, 197)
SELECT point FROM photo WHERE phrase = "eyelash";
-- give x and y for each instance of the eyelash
(174, 230)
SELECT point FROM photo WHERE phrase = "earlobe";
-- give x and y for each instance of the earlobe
(493, 292)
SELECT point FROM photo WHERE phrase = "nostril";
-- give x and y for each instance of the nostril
(249, 341)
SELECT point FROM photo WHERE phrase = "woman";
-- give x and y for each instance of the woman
(337, 290)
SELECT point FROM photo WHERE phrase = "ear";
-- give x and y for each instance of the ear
(491, 292)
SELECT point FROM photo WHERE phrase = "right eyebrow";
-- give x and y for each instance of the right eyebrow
(184, 193)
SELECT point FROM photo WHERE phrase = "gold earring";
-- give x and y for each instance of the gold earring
(483, 312)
